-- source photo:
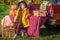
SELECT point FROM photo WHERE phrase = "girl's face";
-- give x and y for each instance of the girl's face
(22, 5)
(30, 1)
(36, 13)
(13, 7)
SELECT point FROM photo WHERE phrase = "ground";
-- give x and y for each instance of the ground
(46, 33)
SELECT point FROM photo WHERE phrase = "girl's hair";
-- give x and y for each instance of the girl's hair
(23, 3)
(14, 6)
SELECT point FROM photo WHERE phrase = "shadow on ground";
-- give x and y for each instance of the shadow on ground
(50, 31)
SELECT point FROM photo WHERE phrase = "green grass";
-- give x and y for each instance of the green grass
(54, 37)
(46, 34)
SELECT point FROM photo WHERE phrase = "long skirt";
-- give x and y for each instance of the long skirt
(33, 30)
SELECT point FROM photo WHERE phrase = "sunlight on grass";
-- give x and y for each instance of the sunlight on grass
(42, 26)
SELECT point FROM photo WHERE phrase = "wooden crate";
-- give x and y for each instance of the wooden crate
(8, 32)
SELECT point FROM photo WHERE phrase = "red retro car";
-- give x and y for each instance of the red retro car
(53, 20)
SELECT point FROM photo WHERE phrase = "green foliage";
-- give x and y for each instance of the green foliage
(9, 1)
(3, 7)
(4, 10)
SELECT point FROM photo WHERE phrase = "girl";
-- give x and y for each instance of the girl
(12, 12)
(8, 22)
(33, 30)
(21, 19)
(43, 13)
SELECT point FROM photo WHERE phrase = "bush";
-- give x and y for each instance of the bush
(2, 7)
(8, 1)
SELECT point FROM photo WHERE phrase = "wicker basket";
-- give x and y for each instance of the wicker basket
(8, 32)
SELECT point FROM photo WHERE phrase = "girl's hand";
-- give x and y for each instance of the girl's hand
(11, 24)
(26, 16)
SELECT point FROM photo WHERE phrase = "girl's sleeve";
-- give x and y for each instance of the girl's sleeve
(28, 13)
(25, 20)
